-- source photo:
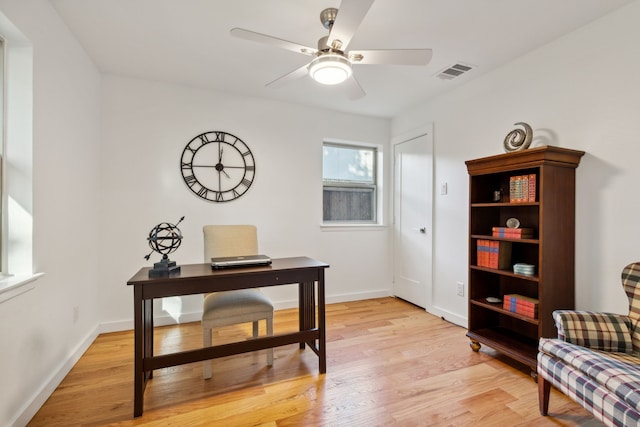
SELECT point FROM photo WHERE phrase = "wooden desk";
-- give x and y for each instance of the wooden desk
(201, 279)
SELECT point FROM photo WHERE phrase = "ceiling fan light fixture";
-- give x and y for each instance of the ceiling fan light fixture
(330, 69)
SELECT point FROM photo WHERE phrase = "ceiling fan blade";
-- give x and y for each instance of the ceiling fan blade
(350, 15)
(391, 56)
(273, 41)
(294, 75)
(353, 88)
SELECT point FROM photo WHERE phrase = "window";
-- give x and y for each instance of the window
(16, 162)
(349, 179)
(2, 166)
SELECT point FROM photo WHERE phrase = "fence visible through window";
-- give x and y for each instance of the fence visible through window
(349, 183)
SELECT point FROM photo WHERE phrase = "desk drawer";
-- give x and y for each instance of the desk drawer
(286, 277)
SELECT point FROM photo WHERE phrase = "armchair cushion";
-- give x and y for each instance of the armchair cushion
(598, 331)
(586, 375)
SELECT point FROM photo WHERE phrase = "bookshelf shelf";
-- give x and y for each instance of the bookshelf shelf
(508, 273)
(551, 214)
(490, 237)
(517, 346)
(497, 307)
(502, 204)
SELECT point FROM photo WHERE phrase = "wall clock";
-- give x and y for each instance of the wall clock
(217, 166)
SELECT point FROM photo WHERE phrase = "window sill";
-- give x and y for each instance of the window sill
(13, 286)
(352, 227)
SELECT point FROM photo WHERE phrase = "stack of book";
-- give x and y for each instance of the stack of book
(522, 188)
(493, 254)
(524, 269)
(522, 305)
(513, 233)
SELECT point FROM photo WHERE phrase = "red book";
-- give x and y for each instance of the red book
(482, 253)
(493, 254)
(512, 233)
(521, 305)
(531, 313)
(497, 253)
(501, 252)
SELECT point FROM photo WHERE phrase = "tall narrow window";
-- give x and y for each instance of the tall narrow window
(3, 219)
(16, 162)
(349, 183)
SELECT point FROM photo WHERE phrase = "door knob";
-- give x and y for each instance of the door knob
(423, 230)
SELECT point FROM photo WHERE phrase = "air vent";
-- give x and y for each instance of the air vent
(454, 71)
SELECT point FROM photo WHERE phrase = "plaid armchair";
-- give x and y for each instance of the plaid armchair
(596, 359)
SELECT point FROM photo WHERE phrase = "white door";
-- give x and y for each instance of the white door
(412, 219)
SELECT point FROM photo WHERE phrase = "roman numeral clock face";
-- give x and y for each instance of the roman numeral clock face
(217, 166)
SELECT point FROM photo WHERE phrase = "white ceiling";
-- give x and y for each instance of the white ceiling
(187, 42)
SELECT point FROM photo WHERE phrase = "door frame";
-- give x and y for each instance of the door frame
(426, 130)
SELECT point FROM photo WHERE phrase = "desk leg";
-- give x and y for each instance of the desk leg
(139, 341)
(148, 333)
(143, 347)
(306, 307)
(322, 344)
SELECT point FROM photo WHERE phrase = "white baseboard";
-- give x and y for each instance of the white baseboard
(448, 316)
(32, 406)
(334, 299)
(127, 325)
(380, 293)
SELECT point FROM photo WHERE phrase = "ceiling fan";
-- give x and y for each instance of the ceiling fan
(332, 63)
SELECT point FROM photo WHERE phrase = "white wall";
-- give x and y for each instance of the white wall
(40, 335)
(581, 92)
(106, 170)
(146, 127)
(105, 162)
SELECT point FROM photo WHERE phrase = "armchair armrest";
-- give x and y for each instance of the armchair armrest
(598, 331)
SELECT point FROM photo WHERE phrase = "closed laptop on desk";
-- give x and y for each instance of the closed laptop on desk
(240, 261)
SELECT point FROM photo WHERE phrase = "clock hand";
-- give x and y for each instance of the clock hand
(220, 166)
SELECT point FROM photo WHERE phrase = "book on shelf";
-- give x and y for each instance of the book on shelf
(513, 189)
(493, 254)
(522, 188)
(532, 187)
(512, 233)
(520, 304)
(483, 253)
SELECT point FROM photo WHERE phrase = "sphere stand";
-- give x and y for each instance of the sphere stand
(164, 268)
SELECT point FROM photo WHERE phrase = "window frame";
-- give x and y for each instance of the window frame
(376, 184)
(4, 222)
(16, 195)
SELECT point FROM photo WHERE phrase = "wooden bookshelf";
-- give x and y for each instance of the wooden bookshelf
(551, 250)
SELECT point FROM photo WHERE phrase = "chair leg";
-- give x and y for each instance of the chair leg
(206, 364)
(270, 333)
(544, 390)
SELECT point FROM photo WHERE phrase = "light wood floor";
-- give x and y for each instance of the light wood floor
(389, 363)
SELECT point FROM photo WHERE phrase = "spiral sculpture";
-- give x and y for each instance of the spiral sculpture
(518, 139)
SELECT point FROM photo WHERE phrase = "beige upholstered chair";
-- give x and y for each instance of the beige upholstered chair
(233, 307)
